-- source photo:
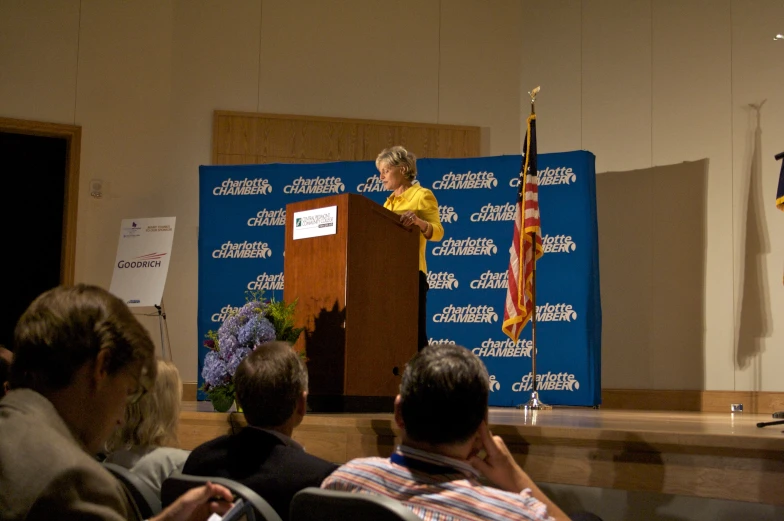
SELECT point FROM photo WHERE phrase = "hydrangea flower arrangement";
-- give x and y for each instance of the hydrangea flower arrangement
(255, 323)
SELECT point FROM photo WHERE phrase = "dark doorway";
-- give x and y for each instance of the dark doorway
(33, 173)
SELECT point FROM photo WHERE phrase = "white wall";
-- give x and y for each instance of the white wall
(143, 78)
(640, 83)
(648, 83)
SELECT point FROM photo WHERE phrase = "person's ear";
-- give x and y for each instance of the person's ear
(302, 403)
(399, 413)
(100, 369)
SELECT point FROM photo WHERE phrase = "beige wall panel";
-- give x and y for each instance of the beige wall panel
(551, 58)
(652, 282)
(123, 96)
(479, 80)
(625, 215)
(38, 59)
(678, 250)
(215, 50)
(758, 228)
(691, 122)
(616, 83)
(372, 59)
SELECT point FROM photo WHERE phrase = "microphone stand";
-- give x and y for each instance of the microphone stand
(767, 424)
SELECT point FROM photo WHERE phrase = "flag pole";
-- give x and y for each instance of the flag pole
(534, 403)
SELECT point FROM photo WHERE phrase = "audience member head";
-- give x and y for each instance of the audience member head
(152, 421)
(4, 368)
(272, 386)
(6, 354)
(83, 350)
(398, 156)
(443, 396)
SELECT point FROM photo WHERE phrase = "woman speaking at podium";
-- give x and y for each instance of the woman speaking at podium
(417, 206)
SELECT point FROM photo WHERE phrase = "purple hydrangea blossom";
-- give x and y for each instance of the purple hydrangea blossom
(215, 371)
(227, 341)
(231, 325)
(239, 334)
(251, 309)
(234, 360)
(256, 331)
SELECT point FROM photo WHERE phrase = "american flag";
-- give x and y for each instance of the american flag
(522, 256)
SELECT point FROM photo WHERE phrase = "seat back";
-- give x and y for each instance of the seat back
(178, 483)
(315, 504)
(147, 500)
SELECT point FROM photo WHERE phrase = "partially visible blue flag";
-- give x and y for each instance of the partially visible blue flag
(780, 193)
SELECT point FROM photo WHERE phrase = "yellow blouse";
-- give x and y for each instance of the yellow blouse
(423, 203)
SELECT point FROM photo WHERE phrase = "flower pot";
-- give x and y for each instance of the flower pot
(222, 404)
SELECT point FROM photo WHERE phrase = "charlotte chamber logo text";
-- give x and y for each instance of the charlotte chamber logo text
(269, 218)
(242, 250)
(504, 348)
(319, 185)
(447, 214)
(224, 313)
(246, 186)
(558, 244)
(468, 181)
(555, 313)
(469, 246)
(495, 385)
(441, 280)
(547, 382)
(466, 314)
(371, 184)
(491, 280)
(495, 212)
(551, 176)
(431, 341)
(267, 282)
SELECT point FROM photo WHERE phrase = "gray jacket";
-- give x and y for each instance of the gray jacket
(45, 473)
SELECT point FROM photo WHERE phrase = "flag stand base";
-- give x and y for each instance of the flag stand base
(534, 404)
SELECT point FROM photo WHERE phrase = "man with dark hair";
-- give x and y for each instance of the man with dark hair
(80, 357)
(272, 388)
(442, 413)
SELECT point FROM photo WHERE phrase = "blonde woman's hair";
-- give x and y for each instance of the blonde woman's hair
(152, 421)
(398, 156)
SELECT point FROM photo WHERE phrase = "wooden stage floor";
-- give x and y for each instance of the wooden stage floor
(711, 455)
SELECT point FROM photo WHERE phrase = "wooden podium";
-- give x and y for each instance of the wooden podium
(358, 299)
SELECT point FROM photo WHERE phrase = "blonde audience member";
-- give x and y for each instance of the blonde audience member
(147, 443)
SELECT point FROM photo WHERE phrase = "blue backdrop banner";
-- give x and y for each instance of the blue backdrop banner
(242, 216)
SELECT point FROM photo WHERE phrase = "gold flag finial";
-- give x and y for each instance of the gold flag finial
(533, 94)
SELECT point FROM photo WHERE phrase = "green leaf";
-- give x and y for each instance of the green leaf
(222, 396)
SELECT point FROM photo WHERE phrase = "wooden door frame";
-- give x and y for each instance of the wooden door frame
(73, 137)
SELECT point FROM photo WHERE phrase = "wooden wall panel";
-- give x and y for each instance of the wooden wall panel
(691, 400)
(250, 138)
(720, 456)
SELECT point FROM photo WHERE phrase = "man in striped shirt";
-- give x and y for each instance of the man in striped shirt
(446, 448)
